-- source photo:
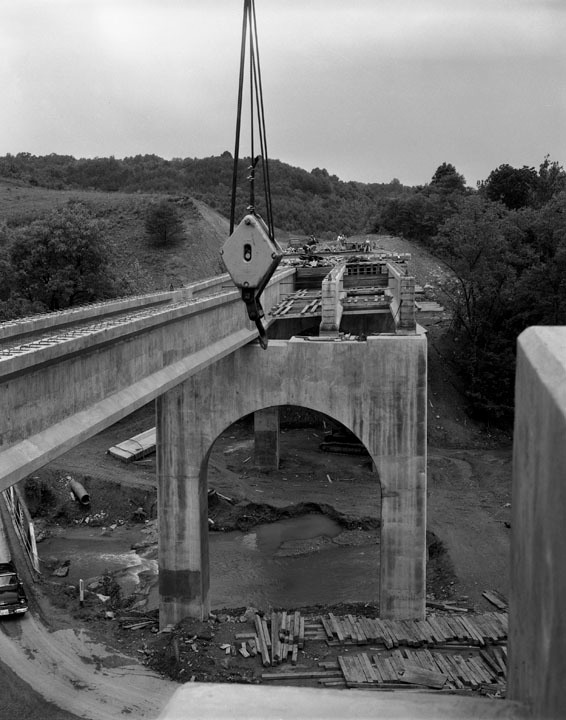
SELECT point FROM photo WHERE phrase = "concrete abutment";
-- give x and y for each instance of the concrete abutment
(376, 389)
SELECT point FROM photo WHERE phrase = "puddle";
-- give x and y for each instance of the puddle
(270, 537)
(242, 576)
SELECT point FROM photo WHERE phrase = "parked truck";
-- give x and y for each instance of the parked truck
(13, 599)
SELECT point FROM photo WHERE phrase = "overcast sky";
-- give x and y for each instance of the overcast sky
(368, 89)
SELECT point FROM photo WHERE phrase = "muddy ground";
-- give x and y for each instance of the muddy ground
(469, 477)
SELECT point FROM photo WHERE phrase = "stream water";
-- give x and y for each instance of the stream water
(289, 563)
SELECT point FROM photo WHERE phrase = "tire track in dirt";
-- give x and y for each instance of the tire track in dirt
(80, 676)
(475, 539)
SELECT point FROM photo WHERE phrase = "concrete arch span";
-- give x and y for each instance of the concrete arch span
(377, 389)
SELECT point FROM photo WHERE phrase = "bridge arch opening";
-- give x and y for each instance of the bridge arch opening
(306, 519)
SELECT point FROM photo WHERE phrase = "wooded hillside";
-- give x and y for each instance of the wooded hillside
(304, 203)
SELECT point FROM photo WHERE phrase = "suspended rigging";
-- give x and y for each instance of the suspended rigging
(251, 253)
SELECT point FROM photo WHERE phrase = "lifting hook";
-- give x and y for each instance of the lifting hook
(251, 257)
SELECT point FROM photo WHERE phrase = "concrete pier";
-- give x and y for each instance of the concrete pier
(182, 508)
(266, 438)
(376, 389)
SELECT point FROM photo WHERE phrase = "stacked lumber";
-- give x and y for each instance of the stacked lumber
(279, 638)
(443, 652)
(136, 447)
(425, 668)
(437, 630)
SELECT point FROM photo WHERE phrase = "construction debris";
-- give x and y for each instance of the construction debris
(139, 625)
(495, 598)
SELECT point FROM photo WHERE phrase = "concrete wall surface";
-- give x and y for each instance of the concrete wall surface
(331, 296)
(537, 615)
(377, 389)
(402, 288)
(207, 701)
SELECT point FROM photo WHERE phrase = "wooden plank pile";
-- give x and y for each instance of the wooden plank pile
(437, 630)
(279, 638)
(443, 652)
(433, 669)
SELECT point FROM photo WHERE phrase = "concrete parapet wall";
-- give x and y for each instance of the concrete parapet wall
(537, 621)
(54, 320)
(62, 318)
(206, 287)
(213, 701)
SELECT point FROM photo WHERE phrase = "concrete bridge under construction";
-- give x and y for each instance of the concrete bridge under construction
(347, 344)
(343, 341)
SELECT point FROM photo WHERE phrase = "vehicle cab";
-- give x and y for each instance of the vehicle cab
(13, 599)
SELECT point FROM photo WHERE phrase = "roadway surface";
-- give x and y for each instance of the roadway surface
(78, 675)
(19, 338)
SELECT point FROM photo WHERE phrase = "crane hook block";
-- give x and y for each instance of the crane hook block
(251, 257)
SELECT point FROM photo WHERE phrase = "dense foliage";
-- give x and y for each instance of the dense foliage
(304, 203)
(54, 262)
(506, 247)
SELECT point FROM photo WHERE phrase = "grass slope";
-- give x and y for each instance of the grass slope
(151, 267)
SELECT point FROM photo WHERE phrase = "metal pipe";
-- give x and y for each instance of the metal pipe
(80, 493)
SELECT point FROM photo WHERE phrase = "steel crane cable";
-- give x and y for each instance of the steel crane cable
(256, 109)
